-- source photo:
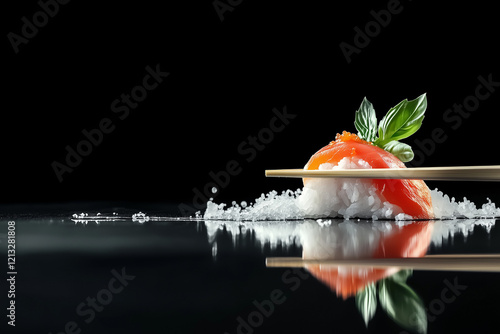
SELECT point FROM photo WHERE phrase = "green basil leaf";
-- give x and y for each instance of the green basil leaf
(403, 305)
(401, 150)
(402, 120)
(366, 302)
(365, 121)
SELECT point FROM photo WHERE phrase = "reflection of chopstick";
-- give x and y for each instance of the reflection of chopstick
(456, 173)
(451, 262)
(461, 256)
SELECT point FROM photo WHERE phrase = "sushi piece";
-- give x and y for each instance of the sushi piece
(370, 198)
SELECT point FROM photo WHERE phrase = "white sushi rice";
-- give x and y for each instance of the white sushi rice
(346, 198)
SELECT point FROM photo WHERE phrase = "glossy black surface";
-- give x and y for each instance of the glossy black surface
(191, 276)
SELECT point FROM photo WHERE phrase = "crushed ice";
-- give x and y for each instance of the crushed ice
(286, 206)
(444, 207)
(346, 198)
(271, 206)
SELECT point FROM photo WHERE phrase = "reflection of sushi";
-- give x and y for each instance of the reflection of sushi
(370, 198)
(411, 240)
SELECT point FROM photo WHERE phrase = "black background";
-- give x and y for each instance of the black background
(225, 79)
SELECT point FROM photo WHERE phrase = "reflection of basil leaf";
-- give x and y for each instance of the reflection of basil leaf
(402, 120)
(402, 275)
(403, 305)
(366, 302)
(401, 150)
(365, 121)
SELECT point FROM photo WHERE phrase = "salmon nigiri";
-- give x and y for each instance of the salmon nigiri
(370, 198)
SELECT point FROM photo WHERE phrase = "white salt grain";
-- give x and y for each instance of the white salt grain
(140, 217)
(446, 208)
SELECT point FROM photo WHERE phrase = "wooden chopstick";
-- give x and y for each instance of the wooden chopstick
(459, 262)
(456, 173)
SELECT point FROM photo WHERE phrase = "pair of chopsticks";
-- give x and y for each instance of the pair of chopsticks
(458, 173)
(450, 262)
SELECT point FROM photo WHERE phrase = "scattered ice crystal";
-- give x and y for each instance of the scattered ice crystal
(81, 215)
(267, 207)
(140, 217)
(446, 208)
